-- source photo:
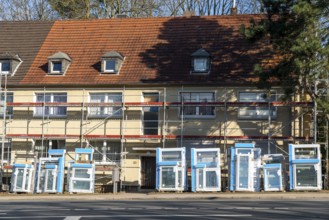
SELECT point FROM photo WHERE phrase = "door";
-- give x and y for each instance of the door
(148, 172)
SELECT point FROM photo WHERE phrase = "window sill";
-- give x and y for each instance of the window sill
(256, 118)
(104, 116)
(50, 116)
(198, 117)
(110, 73)
(200, 73)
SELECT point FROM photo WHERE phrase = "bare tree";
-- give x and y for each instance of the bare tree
(26, 10)
(87, 9)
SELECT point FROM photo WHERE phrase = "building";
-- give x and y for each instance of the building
(126, 86)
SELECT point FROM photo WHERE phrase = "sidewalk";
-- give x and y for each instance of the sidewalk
(321, 195)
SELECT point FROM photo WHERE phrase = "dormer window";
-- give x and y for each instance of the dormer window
(9, 63)
(5, 66)
(200, 62)
(58, 63)
(56, 66)
(109, 66)
(112, 62)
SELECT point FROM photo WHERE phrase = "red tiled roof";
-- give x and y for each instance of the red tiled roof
(156, 50)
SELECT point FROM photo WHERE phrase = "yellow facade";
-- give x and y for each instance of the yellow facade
(222, 127)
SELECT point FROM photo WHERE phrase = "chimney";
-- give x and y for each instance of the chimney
(121, 16)
(234, 9)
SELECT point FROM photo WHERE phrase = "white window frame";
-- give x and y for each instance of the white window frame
(257, 112)
(205, 62)
(106, 110)
(51, 110)
(52, 64)
(197, 108)
(114, 70)
(1, 65)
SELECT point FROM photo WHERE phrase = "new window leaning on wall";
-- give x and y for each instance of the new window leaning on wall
(103, 111)
(190, 111)
(59, 111)
(256, 112)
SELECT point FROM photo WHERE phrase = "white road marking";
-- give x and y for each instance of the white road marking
(128, 216)
(72, 218)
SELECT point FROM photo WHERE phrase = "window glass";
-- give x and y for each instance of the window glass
(306, 153)
(110, 65)
(105, 98)
(256, 112)
(190, 110)
(200, 64)
(9, 98)
(53, 98)
(5, 66)
(57, 66)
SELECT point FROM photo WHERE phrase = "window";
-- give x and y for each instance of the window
(256, 112)
(200, 62)
(110, 66)
(52, 98)
(58, 63)
(9, 98)
(42, 148)
(112, 62)
(106, 151)
(56, 66)
(6, 152)
(198, 111)
(103, 111)
(9, 63)
(5, 66)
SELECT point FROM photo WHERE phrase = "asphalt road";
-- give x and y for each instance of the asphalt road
(166, 209)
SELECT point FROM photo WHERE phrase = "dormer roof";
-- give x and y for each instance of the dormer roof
(60, 55)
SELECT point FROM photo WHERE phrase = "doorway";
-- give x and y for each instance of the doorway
(148, 172)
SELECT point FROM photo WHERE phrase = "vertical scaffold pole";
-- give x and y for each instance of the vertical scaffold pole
(82, 118)
(164, 117)
(122, 136)
(182, 118)
(43, 121)
(3, 122)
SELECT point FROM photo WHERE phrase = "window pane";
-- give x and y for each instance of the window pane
(110, 65)
(51, 97)
(255, 111)
(50, 180)
(9, 98)
(171, 156)
(82, 173)
(81, 185)
(103, 98)
(168, 177)
(273, 178)
(57, 66)
(5, 66)
(306, 175)
(243, 172)
(200, 64)
(198, 97)
(211, 179)
(306, 153)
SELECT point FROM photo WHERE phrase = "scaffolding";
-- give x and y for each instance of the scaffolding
(163, 134)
